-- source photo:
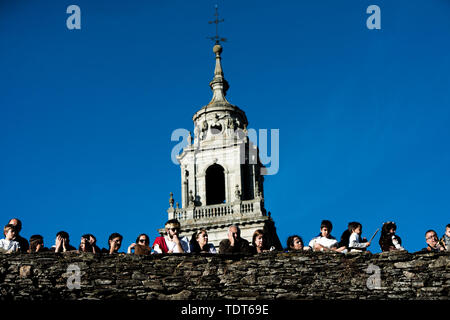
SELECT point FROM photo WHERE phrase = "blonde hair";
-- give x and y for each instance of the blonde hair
(9, 227)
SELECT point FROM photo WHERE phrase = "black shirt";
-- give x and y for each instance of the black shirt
(240, 246)
(24, 246)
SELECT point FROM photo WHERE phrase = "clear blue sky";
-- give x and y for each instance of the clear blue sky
(86, 115)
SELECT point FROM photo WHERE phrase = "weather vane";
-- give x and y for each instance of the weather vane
(217, 39)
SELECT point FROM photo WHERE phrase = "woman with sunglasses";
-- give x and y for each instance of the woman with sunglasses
(141, 246)
(114, 242)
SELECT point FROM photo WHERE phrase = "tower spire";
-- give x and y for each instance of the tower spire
(218, 85)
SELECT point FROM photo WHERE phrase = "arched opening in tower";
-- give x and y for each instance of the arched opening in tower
(215, 185)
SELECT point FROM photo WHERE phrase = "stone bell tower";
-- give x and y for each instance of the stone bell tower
(221, 175)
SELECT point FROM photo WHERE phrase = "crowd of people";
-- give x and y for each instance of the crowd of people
(173, 242)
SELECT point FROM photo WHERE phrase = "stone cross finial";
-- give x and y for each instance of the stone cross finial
(217, 39)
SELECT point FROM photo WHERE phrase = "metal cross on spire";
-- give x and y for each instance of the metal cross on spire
(217, 39)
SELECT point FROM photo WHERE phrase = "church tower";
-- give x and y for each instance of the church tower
(221, 174)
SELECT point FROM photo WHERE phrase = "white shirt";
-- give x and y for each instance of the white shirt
(354, 241)
(9, 245)
(323, 241)
(171, 245)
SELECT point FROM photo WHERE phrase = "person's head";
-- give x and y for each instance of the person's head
(63, 235)
(389, 228)
(431, 238)
(447, 230)
(85, 244)
(116, 240)
(235, 231)
(173, 227)
(201, 236)
(259, 239)
(91, 237)
(36, 243)
(325, 228)
(143, 240)
(17, 223)
(356, 227)
(295, 242)
(10, 231)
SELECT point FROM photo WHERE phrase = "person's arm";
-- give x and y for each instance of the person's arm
(58, 244)
(311, 244)
(64, 245)
(354, 243)
(177, 243)
(396, 243)
(112, 248)
(232, 240)
(319, 247)
(131, 247)
(185, 245)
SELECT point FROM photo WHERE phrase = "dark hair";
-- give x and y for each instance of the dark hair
(260, 232)
(63, 234)
(90, 235)
(38, 238)
(345, 237)
(18, 226)
(115, 235)
(290, 241)
(448, 226)
(387, 226)
(431, 230)
(88, 246)
(35, 240)
(386, 236)
(327, 224)
(173, 221)
(354, 225)
(147, 239)
(195, 247)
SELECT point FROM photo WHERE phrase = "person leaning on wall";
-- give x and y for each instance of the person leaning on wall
(234, 243)
(114, 243)
(24, 246)
(37, 244)
(141, 246)
(199, 242)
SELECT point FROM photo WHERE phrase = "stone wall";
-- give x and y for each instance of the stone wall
(308, 275)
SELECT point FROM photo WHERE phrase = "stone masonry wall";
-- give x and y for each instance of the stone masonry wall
(306, 275)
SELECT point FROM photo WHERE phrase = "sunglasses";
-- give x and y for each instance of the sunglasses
(141, 240)
(174, 229)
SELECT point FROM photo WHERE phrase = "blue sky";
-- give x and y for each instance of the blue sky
(86, 115)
